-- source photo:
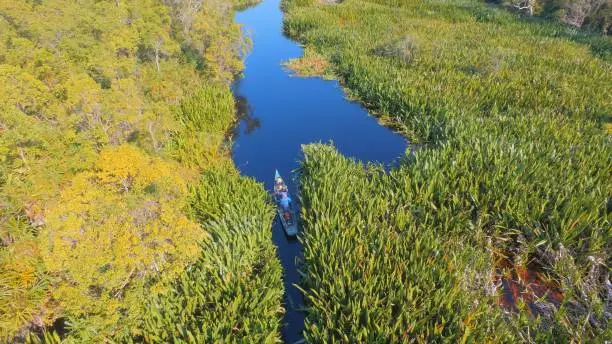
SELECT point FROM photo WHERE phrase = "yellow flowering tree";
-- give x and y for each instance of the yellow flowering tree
(115, 228)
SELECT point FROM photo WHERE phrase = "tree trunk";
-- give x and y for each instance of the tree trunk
(157, 58)
(158, 44)
(531, 8)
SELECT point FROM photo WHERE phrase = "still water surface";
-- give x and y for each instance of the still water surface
(279, 113)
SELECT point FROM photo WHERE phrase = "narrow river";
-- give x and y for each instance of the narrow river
(279, 113)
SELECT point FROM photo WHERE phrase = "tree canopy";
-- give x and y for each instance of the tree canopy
(109, 111)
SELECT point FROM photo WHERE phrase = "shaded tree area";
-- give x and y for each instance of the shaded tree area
(595, 15)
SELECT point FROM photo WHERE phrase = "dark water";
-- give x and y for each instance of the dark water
(526, 284)
(279, 114)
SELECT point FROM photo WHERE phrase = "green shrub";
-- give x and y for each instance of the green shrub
(205, 118)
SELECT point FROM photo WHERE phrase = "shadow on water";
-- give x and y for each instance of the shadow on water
(278, 113)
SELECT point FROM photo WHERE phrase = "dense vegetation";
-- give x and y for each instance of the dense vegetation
(232, 293)
(109, 113)
(377, 268)
(514, 119)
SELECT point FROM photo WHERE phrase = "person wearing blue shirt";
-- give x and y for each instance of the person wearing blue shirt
(285, 200)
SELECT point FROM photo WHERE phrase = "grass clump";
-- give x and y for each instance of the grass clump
(205, 118)
(311, 64)
(514, 117)
(403, 50)
(244, 4)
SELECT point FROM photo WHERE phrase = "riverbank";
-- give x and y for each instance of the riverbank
(513, 115)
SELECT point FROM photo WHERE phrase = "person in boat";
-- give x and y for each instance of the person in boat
(282, 195)
(280, 186)
(279, 183)
(285, 200)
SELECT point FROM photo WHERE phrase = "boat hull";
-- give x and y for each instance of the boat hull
(290, 229)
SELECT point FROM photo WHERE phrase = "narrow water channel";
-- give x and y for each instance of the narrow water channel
(279, 113)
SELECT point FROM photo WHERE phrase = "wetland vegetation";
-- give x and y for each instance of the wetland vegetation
(514, 119)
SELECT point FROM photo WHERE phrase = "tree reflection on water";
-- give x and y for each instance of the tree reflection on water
(247, 122)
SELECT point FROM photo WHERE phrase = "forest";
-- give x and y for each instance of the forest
(113, 164)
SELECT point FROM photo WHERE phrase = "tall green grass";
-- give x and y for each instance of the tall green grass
(379, 267)
(515, 163)
(233, 292)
